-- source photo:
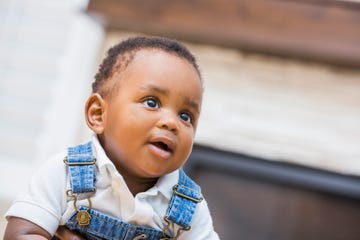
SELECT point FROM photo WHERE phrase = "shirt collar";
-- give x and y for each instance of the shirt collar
(164, 185)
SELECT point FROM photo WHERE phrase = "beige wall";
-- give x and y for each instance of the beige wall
(279, 109)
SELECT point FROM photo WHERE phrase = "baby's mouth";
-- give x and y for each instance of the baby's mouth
(162, 146)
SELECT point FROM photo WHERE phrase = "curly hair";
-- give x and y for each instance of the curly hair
(121, 55)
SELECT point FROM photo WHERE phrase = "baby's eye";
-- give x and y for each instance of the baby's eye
(185, 116)
(150, 102)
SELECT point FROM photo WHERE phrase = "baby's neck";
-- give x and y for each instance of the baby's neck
(136, 187)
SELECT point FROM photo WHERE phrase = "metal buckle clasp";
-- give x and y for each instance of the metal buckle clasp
(83, 217)
(79, 163)
(166, 227)
(185, 196)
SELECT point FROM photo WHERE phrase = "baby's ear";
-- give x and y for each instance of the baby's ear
(94, 113)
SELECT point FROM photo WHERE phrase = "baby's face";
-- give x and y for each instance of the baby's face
(150, 121)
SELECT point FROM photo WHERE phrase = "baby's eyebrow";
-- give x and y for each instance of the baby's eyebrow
(192, 104)
(155, 89)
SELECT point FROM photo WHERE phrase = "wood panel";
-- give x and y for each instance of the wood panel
(323, 30)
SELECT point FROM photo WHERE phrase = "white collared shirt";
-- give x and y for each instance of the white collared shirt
(45, 203)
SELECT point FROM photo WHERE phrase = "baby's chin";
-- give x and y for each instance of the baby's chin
(156, 173)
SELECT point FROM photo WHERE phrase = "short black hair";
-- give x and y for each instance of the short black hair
(120, 56)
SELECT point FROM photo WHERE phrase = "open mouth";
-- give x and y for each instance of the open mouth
(162, 146)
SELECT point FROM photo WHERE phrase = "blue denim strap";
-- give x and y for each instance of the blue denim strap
(186, 195)
(80, 161)
(103, 226)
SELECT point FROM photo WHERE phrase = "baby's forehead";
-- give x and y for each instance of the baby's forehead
(139, 61)
(157, 72)
(125, 63)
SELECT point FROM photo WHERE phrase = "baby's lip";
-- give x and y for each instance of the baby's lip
(164, 142)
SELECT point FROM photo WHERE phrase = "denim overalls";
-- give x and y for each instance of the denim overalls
(96, 225)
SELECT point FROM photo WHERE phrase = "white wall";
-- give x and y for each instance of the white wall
(49, 52)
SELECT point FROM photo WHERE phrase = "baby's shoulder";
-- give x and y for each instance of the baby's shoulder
(52, 166)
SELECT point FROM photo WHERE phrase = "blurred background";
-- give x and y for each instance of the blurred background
(278, 144)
